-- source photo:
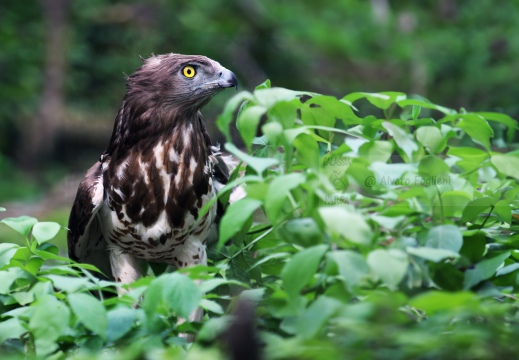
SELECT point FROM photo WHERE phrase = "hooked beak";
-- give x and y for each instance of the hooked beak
(227, 79)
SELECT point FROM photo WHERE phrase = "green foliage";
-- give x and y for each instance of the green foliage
(386, 235)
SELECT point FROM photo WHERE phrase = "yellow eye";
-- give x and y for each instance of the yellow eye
(189, 71)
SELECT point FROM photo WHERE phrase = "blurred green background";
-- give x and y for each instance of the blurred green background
(62, 67)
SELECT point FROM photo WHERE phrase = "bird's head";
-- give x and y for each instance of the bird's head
(174, 81)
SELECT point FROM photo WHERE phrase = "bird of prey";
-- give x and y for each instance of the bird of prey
(142, 199)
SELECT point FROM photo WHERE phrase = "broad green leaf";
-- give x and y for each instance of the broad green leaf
(484, 270)
(22, 225)
(48, 322)
(307, 151)
(503, 119)
(476, 207)
(503, 210)
(11, 329)
(10, 277)
(211, 306)
(45, 231)
(425, 104)
(432, 254)
(120, 322)
(477, 128)
(90, 312)
(258, 164)
(447, 237)
(434, 301)
(69, 284)
(235, 217)
(312, 320)
(263, 85)
(379, 151)
(432, 165)
(402, 139)
(381, 100)
(389, 265)
(211, 284)
(351, 265)
(431, 138)
(170, 292)
(474, 245)
(181, 294)
(213, 328)
(224, 120)
(301, 268)
(506, 164)
(454, 202)
(471, 154)
(277, 193)
(269, 97)
(7, 251)
(357, 230)
(247, 123)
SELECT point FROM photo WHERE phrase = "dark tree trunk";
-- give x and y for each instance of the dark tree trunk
(40, 135)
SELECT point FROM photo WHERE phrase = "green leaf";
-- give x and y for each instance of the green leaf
(269, 97)
(425, 104)
(435, 301)
(90, 312)
(264, 85)
(211, 306)
(433, 166)
(503, 119)
(476, 207)
(224, 120)
(277, 193)
(484, 270)
(45, 231)
(470, 154)
(431, 138)
(258, 164)
(307, 151)
(357, 231)
(120, 322)
(247, 123)
(172, 291)
(381, 100)
(477, 128)
(454, 202)
(373, 151)
(211, 284)
(447, 237)
(7, 251)
(389, 265)
(22, 225)
(352, 267)
(312, 319)
(432, 254)
(48, 322)
(402, 139)
(506, 164)
(301, 268)
(504, 211)
(11, 329)
(235, 218)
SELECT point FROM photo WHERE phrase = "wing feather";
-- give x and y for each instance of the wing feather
(86, 243)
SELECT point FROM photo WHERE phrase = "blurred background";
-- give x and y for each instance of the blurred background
(63, 64)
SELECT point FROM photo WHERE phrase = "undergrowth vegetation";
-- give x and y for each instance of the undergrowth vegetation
(374, 226)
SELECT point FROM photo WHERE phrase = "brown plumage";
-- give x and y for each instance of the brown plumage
(141, 200)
